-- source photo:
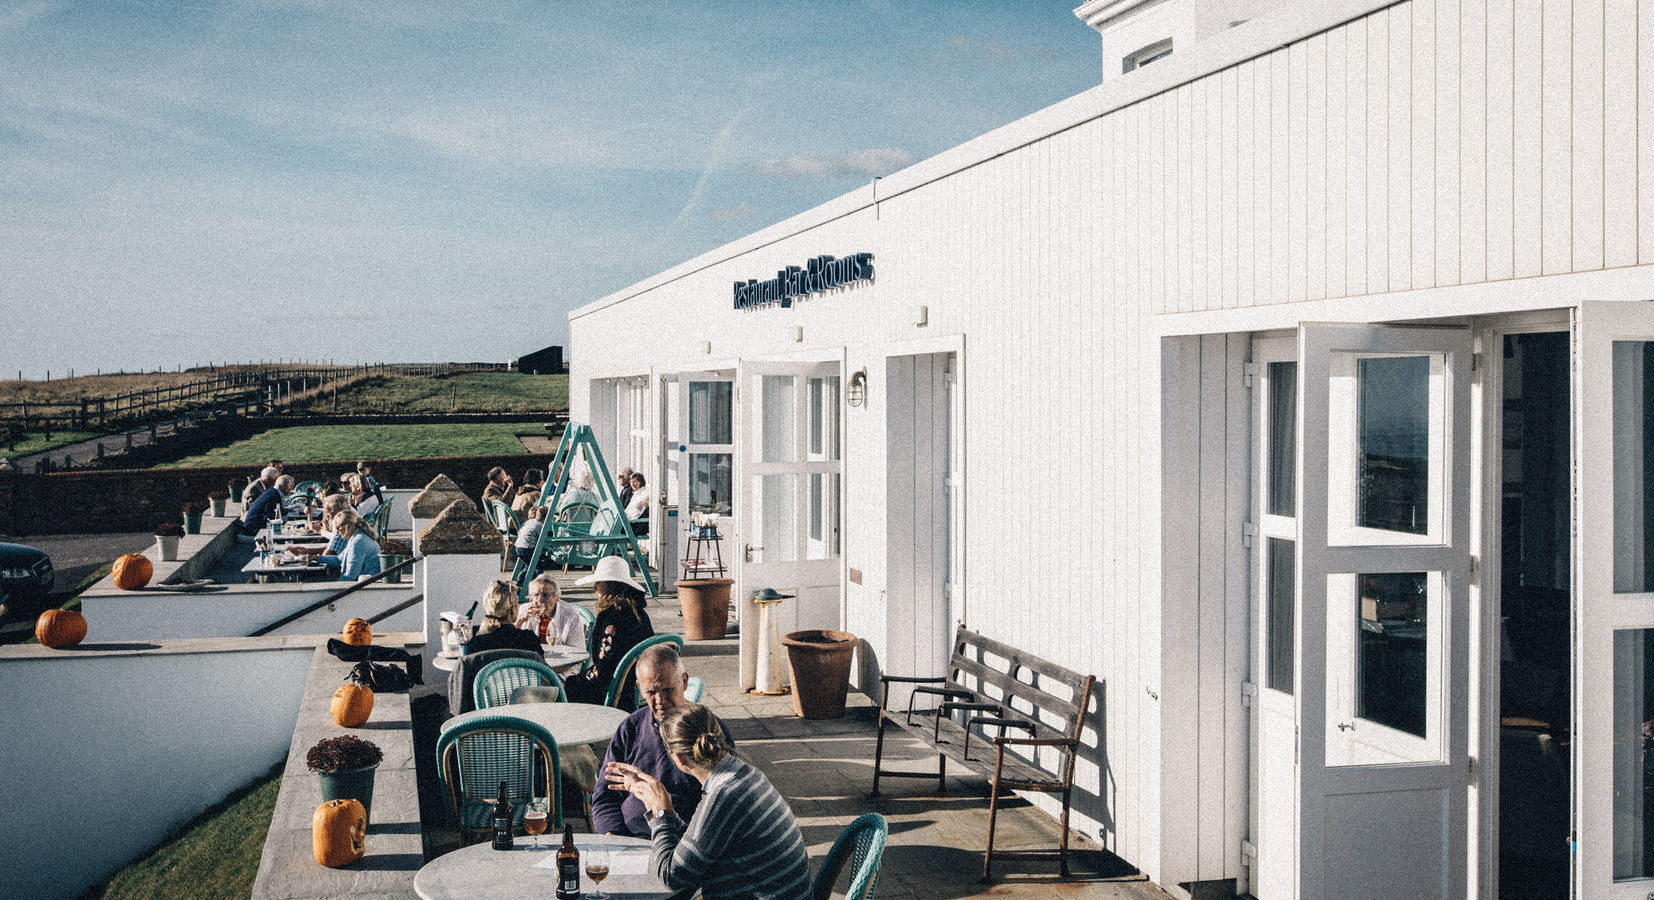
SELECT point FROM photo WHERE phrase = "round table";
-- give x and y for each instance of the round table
(569, 723)
(481, 871)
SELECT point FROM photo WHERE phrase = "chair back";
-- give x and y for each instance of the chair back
(505, 521)
(309, 488)
(462, 680)
(577, 513)
(628, 663)
(382, 518)
(695, 690)
(474, 757)
(590, 619)
(861, 844)
(497, 680)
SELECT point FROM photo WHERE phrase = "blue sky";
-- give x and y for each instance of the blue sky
(184, 181)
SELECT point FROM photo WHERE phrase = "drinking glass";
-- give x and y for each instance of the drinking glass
(597, 869)
(534, 819)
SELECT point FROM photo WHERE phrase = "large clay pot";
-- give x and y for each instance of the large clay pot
(819, 662)
(705, 607)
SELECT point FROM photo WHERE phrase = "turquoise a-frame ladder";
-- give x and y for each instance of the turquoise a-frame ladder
(614, 534)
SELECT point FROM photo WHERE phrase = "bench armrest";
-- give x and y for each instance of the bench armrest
(908, 679)
(1002, 723)
(944, 691)
(980, 707)
(1013, 741)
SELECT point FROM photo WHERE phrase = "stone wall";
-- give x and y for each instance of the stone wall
(131, 499)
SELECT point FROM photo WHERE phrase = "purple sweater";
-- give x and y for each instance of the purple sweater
(637, 742)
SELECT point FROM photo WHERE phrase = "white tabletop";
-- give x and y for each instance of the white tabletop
(481, 871)
(569, 723)
(257, 566)
(560, 657)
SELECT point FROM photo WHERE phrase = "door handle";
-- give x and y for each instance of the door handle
(751, 548)
(1346, 726)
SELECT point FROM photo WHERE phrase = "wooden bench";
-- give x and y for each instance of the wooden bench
(991, 685)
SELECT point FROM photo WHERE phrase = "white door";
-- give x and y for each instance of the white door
(790, 471)
(1614, 599)
(1382, 681)
(706, 463)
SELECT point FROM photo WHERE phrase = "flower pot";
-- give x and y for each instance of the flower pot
(192, 523)
(819, 662)
(705, 607)
(350, 784)
(386, 561)
(218, 507)
(166, 547)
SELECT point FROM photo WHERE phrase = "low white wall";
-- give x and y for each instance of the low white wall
(115, 615)
(109, 747)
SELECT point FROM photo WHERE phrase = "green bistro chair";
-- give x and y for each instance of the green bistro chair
(861, 844)
(474, 757)
(696, 689)
(498, 679)
(623, 672)
(382, 517)
(505, 522)
(307, 487)
(590, 618)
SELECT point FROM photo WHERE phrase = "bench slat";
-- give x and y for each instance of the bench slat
(1060, 673)
(1036, 696)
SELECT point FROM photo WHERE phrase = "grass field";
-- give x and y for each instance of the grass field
(329, 443)
(472, 392)
(37, 443)
(213, 858)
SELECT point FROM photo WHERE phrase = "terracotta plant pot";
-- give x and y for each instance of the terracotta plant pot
(819, 662)
(705, 607)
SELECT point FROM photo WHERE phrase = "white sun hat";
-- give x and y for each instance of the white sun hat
(612, 568)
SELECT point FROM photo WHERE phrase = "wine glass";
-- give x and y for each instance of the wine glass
(597, 869)
(534, 818)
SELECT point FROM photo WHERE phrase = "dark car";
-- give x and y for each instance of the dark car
(24, 572)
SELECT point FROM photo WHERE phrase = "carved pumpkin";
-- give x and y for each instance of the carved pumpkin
(358, 632)
(132, 572)
(352, 704)
(338, 833)
(59, 628)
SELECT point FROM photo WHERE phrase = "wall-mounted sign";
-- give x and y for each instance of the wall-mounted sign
(819, 274)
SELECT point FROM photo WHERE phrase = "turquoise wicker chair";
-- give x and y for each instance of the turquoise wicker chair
(590, 618)
(496, 681)
(307, 487)
(861, 844)
(623, 672)
(382, 517)
(696, 689)
(474, 757)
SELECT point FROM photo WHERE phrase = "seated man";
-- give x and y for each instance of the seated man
(500, 487)
(528, 536)
(661, 681)
(265, 481)
(263, 509)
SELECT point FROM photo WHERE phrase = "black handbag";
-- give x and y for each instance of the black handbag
(380, 678)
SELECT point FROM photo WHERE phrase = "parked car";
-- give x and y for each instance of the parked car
(25, 572)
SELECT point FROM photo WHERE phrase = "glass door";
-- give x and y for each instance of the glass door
(1383, 569)
(706, 468)
(1614, 609)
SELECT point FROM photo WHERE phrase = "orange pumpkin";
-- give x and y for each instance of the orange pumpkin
(338, 833)
(358, 632)
(132, 572)
(59, 628)
(352, 705)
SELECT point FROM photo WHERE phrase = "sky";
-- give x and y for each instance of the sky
(194, 181)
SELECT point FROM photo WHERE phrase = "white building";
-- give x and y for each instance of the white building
(1292, 383)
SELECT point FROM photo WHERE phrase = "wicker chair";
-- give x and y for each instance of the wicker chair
(861, 844)
(474, 757)
(497, 680)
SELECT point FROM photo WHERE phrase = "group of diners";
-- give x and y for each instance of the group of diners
(670, 773)
(337, 514)
(527, 500)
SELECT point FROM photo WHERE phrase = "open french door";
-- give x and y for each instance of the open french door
(1383, 571)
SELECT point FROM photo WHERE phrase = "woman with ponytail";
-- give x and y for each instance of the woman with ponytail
(742, 843)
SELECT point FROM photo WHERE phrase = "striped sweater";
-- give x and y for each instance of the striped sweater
(742, 843)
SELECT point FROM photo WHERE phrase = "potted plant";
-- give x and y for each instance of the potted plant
(819, 662)
(218, 499)
(705, 604)
(392, 553)
(192, 517)
(346, 765)
(166, 540)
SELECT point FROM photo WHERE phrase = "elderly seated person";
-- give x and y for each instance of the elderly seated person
(266, 480)
(360, 554)
(550, 619)
(498, 630)
(742, 842)
(268, 506)
(528, 536)
(365, 501)
(661, 681)
(500, 487)
(637, 510)
(528, 493)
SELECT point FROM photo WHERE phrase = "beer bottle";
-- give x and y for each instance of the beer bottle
(502, 821)
(568, 867)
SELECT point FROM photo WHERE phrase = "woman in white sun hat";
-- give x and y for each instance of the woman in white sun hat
(622, 623)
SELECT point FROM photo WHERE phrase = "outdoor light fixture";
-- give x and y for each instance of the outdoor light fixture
(856, 392)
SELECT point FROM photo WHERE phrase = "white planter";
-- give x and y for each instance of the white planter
(166, 547)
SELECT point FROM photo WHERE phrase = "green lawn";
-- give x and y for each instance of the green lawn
(472, 392)
(213, 858)
(36, 442)
(330, 443)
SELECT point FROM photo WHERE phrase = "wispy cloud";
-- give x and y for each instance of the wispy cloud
(850, 162)
(735, 213)
(712, 161)
(14, 19)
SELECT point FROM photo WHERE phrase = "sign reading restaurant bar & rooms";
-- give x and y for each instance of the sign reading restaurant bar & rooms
(819, 274)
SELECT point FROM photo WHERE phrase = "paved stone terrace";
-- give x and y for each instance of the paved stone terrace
(824, 768)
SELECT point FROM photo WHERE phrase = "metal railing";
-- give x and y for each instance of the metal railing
(329, 600)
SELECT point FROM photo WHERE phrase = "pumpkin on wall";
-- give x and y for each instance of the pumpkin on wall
(338, 833)
(352, 705)
(59, 628)
(358, 632)
(132, 572)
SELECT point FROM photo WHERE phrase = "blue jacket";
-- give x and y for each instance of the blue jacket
(265, 508)
(360, 557)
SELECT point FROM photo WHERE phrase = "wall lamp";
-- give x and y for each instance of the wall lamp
(856, 392)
